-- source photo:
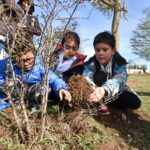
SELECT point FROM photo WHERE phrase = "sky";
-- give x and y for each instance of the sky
(89, 28)
(98, 22)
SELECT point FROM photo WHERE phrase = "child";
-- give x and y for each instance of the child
(10, 13)
(30, 70)
(30, 24)
(107, 69)
(70, 61)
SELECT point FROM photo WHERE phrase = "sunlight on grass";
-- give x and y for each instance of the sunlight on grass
(141, 84)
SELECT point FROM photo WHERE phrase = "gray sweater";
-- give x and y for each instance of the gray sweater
(9, 16)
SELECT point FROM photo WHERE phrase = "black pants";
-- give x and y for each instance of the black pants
(34, 95)
(126, 100)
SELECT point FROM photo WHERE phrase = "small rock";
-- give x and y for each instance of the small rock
(124, 117)
(140, 118)
(129, 135)
(116, 135)
(129, 121)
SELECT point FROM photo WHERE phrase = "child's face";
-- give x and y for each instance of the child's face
(26, 4)
(26, 61)
(70, 48)
(103, 53)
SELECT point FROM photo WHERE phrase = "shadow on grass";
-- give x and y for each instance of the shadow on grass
(143, 93)
(136, 133)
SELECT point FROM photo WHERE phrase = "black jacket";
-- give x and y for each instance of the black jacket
(99, 76)
(76, 68)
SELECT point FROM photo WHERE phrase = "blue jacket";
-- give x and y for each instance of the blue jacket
(33, 76)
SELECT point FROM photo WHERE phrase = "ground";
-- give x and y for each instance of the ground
(78, 131)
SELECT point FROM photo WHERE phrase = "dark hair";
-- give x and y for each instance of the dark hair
(31, 9)
(21, 43)
(71, 36)
(105, 37)
(18, 53)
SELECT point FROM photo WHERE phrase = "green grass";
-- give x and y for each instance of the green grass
(141, 84)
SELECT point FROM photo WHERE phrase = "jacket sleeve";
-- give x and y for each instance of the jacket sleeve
(15, 7)
(2, 71)
(55, 82)
(88, 73)
(3, 104)
(33, 25)
(116, 83)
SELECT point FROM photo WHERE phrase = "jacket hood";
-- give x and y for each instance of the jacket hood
(81, 56)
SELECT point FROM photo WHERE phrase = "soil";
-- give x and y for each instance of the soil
(113, 145)
(2, 147)
(80, 91)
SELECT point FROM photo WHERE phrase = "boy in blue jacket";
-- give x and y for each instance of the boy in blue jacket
(107, 70)
(30, 70)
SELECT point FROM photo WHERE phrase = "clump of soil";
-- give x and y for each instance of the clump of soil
(80, 91)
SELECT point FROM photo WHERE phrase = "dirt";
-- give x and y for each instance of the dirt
(74, 124)
(2, 147)
(113, 145)
(80, 91)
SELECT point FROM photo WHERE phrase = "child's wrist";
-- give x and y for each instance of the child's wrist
(102, 91)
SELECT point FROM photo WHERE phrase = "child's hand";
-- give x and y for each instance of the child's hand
(64, 94)
(97, 95)
(20, 25)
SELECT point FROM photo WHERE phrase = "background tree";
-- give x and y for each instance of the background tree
(112, 8)
(140, 40)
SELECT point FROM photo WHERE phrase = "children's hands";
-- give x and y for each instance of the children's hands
(98, 94)
(64, 94)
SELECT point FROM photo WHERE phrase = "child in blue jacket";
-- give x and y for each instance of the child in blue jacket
(30, 70)
(107, 70)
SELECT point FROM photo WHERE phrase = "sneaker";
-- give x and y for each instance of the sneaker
(34, 108)
(103, 110)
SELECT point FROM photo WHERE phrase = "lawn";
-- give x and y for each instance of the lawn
(84, 132)
(141, 84)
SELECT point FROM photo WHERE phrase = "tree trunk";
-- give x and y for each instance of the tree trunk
(116, 22)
